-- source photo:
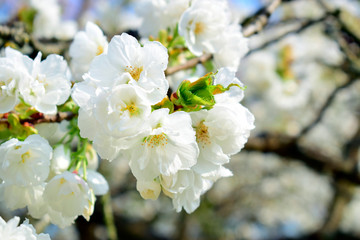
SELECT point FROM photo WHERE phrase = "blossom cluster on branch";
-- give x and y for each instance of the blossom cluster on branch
(175, 140)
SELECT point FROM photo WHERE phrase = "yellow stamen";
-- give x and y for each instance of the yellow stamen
(25, 156)
(100, 50)
(62, 180)
(199, 28)
(202, 134)
(133, 110)
(134, 72)
(156, 140)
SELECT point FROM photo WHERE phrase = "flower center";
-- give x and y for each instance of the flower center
(25, 156)
(133, 110)
(134, 72)
(202, 134)
(199, 28)
(62, 180)
(156, 140)
(100, 50)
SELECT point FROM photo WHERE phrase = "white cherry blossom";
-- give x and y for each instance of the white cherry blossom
(148, 189)
(185, 188)
(9, 80)
(69, 195)
(225, 77)
(232, 47)
(159, 15)
(11, 231)
(14, 196)
(49, 85)
(47, 22)
(220, 132)
(25, 163)
(61, 159)
(122, 110)
(166, 147)
(86, 46)
(126, 62)
(203, 23)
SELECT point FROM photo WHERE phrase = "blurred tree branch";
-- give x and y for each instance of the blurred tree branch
(258, 21)
(289, 148)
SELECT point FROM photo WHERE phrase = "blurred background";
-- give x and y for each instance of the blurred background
(297, 177)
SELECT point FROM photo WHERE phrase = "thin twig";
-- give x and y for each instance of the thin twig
(261, 19)
(325, 106)
(59, 117)
(344, 193)
(288, 147)
(189, 64)
(301, 28)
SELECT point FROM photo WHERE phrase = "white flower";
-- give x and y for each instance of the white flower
(9, 79)
(110, 116)
(50, 84)
(159, 14)
(25, 163)
(92, 157)
(47, 22)
(61, 159)
(14, 196)
(220, 132)
(128, 63)
(122, 111)
(166, 147)
(11, 230)
(69, 195)
(66, 30)
(13, 69)
(232, 47)
(39, 208)
(53, 132)
(185, 188)
(225, 77)
(148, 189)
(86, 45)
(97, 182)
(203, 23)
(113, 16)
(47, 17)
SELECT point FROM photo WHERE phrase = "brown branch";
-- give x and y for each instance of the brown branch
(261, 20)
(343, 195)
(45, 118)
(325, 106)
(189, 64)
(288, 147)
(16, 33)
(303, 26)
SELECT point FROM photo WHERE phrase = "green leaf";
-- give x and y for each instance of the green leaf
(192, 96)
(165, 103)
(25, 111)
(69, 106)
(27, 16)
(163, 37)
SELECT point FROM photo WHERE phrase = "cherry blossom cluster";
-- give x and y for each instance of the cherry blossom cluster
(123, 111)
(35, 175)
(206, 25)
(41, 84)
(175, 140)
(11, 230)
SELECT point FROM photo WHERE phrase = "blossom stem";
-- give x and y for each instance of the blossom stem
(109, 217)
